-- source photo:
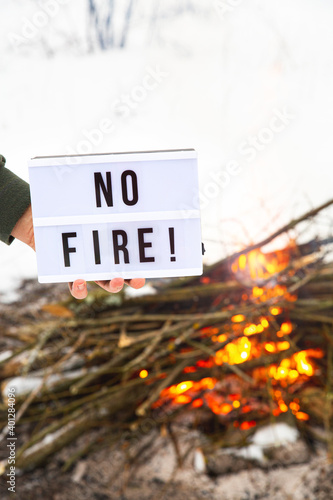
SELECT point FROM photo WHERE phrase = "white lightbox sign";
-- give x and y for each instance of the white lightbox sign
(129, 215)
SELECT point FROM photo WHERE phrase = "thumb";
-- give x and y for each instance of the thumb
(78, 289)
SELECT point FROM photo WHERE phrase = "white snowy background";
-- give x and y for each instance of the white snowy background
(227, 68)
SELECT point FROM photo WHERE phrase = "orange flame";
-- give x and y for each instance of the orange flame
(249, 344)
(234, 353)
(258, 265)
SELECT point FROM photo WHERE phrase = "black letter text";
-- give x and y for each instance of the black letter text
(117, 247)
(143, 244)
(66, 249)
(135, 196)
(107, 190)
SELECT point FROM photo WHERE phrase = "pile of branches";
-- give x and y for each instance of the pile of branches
(78, 366)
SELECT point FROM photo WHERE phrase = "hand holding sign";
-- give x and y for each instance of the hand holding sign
(136, 216)
(24, 232)
(79, 288)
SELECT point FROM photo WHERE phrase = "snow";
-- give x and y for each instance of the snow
(278, 434)
(251, 452)
(21, 385)
(5, 355)
(28, 383)
(148, 289)
(225, 78)
(49, 439)
(199, 462)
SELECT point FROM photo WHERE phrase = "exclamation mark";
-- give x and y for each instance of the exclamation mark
(172, 243)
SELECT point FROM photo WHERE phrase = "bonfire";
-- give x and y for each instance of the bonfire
(247, 343)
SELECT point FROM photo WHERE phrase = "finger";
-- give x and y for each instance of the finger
(112, 286)
(136, 282)
(78, 289)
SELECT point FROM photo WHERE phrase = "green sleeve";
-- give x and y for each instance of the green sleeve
(14, 200)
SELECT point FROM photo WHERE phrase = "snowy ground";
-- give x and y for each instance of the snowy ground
(260, 72)
(155, 475)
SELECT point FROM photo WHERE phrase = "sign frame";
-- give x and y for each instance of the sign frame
(51, 185)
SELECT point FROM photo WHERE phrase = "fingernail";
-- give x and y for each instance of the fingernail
(81, 287)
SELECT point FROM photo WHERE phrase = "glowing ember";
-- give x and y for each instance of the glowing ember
(197, 403)
(264, 322)
(234, 353)
(189, 369)
(292, 375)
(303, 364)
(275, 311)
(257, 292)
(283, 407)
(302, 416)
(250, 330)
(238, 318)
(283, 346)
(209, 330)
(184, 386)
(294, 407)
(248, 425)
(182, 399)
(286, 328)
(220, 338)
(143, 374)
(270, 347)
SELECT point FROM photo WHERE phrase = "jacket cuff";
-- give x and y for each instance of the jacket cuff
(14, 201)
